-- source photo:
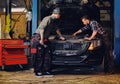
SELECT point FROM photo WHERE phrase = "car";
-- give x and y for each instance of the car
(74, 51)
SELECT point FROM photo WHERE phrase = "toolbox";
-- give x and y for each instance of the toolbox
(12, 52)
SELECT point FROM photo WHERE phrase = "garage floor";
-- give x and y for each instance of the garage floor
(61, 77)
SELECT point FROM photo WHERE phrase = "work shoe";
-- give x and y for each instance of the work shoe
(47, 74)
(38, 74)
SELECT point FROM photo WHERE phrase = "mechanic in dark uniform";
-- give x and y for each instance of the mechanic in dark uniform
(97, 31)
(42, 60)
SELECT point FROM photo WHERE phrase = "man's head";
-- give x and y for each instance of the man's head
(56, 13)
(86, 20)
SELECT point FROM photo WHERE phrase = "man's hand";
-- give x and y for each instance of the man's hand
(74, 34)
(77, 32)
(87, 38)
(62, 38)
(41, 42)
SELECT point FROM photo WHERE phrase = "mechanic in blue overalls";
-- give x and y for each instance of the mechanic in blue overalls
(42, 59)
(97, 31)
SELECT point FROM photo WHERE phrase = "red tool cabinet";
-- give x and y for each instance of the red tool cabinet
(12, 52)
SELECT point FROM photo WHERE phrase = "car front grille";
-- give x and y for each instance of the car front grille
(69, 48)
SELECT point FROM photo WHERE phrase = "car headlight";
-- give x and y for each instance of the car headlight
(95, 44)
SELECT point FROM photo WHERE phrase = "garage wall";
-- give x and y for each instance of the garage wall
(117, 32)
(20, 26)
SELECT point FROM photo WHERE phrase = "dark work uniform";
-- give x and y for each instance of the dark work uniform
(42, 57)
(95, 26)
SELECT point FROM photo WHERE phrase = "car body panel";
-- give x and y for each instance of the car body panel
(76, 51)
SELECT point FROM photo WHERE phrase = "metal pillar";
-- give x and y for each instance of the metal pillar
(0, 29)
(29, 22)
(34, 15)
(117, 32)
(39, 12)
(8, 19)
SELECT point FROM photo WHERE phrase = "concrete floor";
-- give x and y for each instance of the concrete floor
(60, 77)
